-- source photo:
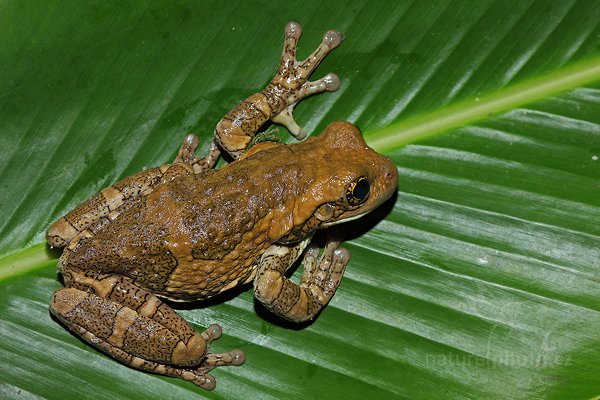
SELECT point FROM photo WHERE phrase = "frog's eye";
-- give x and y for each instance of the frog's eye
(358, 191)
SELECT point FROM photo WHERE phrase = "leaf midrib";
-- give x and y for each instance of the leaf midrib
(425, 125)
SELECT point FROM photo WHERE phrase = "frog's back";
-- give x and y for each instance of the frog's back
(192, 237)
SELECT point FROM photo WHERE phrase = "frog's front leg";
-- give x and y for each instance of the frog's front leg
(135, 327)
(276, 102)
(320, 279)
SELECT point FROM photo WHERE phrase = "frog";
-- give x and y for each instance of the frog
(188, 231)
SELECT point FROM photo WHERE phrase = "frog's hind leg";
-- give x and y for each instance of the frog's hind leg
(138, 329)
(113, 200)
(110, 202)
(319, 282)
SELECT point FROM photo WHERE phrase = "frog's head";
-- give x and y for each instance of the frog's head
(324, 180)
(352, 179)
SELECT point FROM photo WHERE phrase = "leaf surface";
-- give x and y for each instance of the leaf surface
(479, 280)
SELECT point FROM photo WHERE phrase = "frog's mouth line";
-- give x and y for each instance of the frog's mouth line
(347, 219)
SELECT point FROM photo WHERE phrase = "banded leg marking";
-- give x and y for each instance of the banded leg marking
(112, 199)
(135, 327)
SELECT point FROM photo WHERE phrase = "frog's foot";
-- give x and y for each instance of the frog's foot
(214, 360)
(321, 277)
(187, 154)
(329, 82)
(200, 376)
(276, 102)
(291, 83)
(138, 329)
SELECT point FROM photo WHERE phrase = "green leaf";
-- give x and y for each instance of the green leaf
(479, 280)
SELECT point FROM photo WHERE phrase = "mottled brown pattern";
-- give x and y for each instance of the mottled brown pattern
(118, 196)
(307, 228)
(146, 338)
(274, 94)
(94, 315)
(199, 228)
(130, 248)
(126, 293)
(184, 231)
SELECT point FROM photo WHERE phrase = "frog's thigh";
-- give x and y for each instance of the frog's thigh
(111, 201)
(138, 329)
(320, 279)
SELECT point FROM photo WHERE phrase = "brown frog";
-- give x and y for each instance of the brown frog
(185, 231)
